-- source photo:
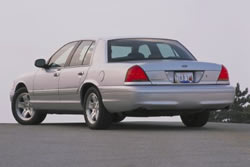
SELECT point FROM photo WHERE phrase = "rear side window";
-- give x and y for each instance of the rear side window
(89, 54)
(80, 53)
(146, 49)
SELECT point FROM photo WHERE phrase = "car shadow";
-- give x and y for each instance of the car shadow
(140, 125)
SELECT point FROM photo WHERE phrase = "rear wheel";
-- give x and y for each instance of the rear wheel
(23, 111)
(195, 119)
(95, 114)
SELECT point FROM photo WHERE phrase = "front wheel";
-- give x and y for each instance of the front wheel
(23, 111)
(195, 119)
(95, 114)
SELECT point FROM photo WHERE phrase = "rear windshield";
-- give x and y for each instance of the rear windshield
(146, 49)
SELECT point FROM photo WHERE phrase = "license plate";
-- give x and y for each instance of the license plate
(184, 77)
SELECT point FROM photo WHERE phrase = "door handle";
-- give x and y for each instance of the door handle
(56, 74)
(81, 73)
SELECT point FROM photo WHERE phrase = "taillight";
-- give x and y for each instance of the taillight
(223, 74)
(136, 74)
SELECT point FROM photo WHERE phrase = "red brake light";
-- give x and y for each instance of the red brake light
(223, 74)
(136, 74)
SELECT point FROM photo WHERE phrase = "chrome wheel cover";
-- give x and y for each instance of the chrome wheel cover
(24, 109)
(92, 108)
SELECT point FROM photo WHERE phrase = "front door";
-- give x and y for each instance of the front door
(46, 81)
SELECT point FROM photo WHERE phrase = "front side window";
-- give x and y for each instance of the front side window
(80, 53)
(146, 49)
(60, 57)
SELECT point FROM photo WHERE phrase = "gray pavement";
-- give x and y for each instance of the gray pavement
(128, 144)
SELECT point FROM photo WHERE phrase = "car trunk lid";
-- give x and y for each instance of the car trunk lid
(168, 71)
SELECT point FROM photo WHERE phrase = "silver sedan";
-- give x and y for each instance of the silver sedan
(108, 79)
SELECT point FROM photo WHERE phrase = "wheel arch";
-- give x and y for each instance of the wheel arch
(84, 89)
(20, 85)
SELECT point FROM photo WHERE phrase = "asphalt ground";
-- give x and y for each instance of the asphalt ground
(127, 144)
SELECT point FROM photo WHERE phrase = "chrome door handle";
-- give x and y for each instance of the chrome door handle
(80, 73)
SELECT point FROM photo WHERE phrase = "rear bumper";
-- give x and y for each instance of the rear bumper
(166, 98)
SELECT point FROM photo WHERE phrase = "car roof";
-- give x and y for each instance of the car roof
(122, 37)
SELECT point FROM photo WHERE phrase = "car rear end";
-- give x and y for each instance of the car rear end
(162, 75)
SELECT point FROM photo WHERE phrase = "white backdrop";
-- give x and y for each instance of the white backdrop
(214, 31)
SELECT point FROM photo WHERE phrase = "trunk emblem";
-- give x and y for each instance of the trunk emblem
(184, 66)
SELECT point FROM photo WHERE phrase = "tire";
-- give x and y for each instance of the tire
(22, 110)
(195, 119)
(116, 118)
(95, 114)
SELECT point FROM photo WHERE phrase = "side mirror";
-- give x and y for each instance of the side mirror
(40, 63)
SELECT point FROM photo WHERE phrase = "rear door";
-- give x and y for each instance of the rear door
(72, 75)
